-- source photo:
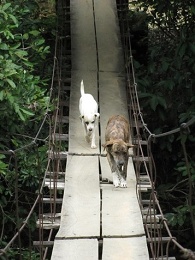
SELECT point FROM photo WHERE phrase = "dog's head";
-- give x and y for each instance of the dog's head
(89, 121)
(119, 150)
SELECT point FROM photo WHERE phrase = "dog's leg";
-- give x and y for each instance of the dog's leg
(114, 170)
(123, 182)
(93, 145)
(116, 179)
(87, 137)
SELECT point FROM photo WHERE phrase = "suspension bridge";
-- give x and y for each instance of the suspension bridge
(97, 219)
(82, 215)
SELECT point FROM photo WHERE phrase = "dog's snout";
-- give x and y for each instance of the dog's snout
(90, 129)
(121, 163)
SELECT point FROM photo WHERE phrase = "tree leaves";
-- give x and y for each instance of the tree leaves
(4, 46)
(11, 83)
(154, 100)
(166, 92)
(19, 84)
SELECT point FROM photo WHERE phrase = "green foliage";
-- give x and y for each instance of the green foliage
(166, 91)
(31, 164)
(24, 99)
(19, 54)
(171, 62)
(3, 166)
(178, 218)
(21, 254)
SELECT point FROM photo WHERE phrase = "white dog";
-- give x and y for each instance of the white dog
(89, 115)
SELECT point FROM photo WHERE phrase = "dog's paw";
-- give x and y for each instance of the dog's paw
(116, 180)
(93, 146)
(123, 184)
(116, 184)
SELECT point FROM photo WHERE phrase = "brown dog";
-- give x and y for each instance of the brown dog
(117, 145)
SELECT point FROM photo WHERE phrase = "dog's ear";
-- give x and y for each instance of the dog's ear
(81, 117)
(108, 143)
(97, 115)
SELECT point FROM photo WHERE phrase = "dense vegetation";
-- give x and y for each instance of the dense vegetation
(165, 76)
(26, 65)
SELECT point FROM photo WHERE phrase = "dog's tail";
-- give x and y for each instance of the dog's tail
(82, 88)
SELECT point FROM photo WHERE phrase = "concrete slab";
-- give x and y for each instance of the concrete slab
(120, 208)
(76, 249)
(80, 214)
(110, 54)
(132, 248)
(83, 44)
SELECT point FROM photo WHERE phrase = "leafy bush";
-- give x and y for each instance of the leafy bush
(166, 90)
(24, 100)
(19, 86)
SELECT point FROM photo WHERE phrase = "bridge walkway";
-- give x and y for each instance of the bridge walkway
(98, 221)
